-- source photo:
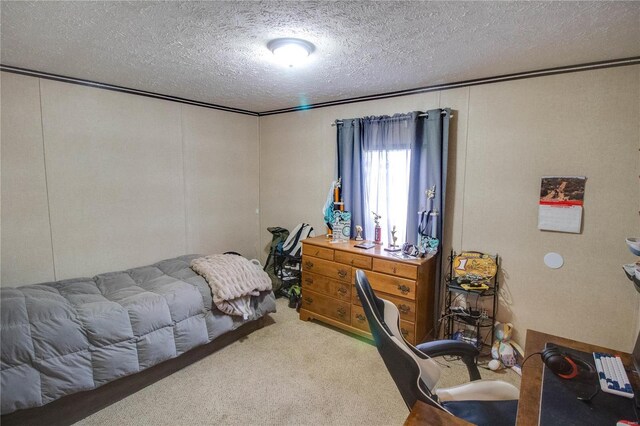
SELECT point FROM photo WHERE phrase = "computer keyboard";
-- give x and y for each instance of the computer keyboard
(613, 378)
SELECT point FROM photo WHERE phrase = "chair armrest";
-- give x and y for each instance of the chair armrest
(448, 347)
(466, 351)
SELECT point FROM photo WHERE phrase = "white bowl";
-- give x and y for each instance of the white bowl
(630, 270)
(634, 245)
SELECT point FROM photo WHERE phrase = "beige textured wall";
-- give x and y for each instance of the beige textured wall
(114, 169)
(221, 181)
(583, 124)
(506, 136)
(119, 180)
(24, 217)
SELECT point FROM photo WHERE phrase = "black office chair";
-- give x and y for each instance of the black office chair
(483, 402)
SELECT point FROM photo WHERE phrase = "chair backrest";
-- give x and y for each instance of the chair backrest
(415, 377)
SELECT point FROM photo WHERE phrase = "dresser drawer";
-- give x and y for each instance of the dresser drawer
(407, 308)
(325, 285)
(358, 318)
(395, 268)
(408, 331)
(392, 285)
(359, 321)
(315, 251)
(355, 260)
(326, 306)
(328, 269)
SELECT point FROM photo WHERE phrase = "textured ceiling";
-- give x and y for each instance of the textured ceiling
(215, 52)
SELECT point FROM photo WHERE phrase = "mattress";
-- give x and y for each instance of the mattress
(74, 335)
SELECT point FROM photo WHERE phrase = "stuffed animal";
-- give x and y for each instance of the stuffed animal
(504, 352)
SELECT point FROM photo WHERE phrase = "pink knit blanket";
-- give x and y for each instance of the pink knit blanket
(233, 280)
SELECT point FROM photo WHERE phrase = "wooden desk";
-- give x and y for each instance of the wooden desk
(425, 414)
(530, 385)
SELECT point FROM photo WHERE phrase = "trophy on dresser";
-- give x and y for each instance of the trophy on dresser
(359, 233)
(378, 229)
(392, 244)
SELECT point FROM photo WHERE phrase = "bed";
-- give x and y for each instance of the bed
(64, 340)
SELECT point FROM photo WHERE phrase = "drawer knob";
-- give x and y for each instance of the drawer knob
(342, 312)
(404, 289)
(342, 291)
(394, 269)
(360, 317)
(404, 332)
(308, 300)
(317, 252)
(342, 273)
(404, 309)
(308, 264)
(308, 280)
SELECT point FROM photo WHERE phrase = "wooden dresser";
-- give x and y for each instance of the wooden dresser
(329, 294)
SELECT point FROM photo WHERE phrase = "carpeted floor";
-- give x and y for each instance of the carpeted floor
(290, 372)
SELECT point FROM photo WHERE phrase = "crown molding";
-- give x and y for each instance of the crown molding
(445, 86)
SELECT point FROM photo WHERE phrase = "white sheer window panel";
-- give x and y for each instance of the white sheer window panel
(386, 175)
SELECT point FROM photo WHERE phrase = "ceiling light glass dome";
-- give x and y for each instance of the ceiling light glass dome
(291, 51)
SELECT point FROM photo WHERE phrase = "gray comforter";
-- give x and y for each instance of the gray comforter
(74, 335)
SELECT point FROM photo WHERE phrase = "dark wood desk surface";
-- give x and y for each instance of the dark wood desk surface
(529, 404)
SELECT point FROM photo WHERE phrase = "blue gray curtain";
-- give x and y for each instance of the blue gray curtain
(426, 134)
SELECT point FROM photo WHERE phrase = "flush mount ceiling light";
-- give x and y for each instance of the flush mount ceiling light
(291, 51)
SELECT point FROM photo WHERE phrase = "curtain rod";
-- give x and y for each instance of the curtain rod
(426, 114)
